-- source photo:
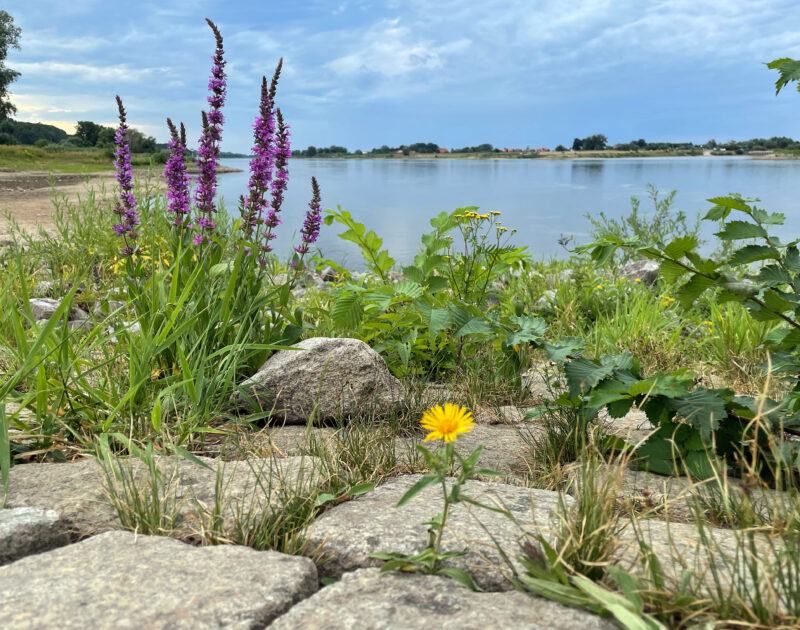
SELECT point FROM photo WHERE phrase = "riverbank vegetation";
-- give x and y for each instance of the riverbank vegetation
(166, 303)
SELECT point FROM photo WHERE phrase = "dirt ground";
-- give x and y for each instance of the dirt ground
(26, 194)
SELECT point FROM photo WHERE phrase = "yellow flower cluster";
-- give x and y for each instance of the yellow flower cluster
(710, 326)
(667, 300)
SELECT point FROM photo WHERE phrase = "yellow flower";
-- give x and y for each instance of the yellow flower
(599, 286)
(638, 280)
(483, 216)
(495, 213)
(445, 423)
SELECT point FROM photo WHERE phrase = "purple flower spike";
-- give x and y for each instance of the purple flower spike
(208, 152)
(176, 177)
(263, 157)
(279, 183)
(125, 206)
(310, 231)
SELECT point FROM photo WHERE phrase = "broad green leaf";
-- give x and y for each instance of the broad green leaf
(736, 230)
(607, 392)
(408, 288)
(440, 319)
(563, 348)
(414, 273)
(703, 409)
(475, 326)
(662, 385)
(753, 253)
(347, 310)
(792, 259)
(769, 218)
(437, 283)
(583, 375)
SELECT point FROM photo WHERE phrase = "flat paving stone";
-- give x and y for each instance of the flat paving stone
(121, 581)
(26, 531)
(368, 600)
(350, 532)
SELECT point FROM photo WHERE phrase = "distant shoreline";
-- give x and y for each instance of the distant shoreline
(551, 156)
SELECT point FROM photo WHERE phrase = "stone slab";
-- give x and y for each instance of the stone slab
(368, 600)
(26, 531)
(121, 581)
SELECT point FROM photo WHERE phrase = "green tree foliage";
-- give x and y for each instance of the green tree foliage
(9, 38)
(88, 132)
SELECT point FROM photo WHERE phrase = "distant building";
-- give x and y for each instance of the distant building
(399, 152)
(542, 150)
(512, 150)
(442, 150)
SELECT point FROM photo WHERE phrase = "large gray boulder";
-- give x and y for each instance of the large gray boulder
(367, 600)
(324, 378)
(25, 531)
(350, 532)
(120, 580)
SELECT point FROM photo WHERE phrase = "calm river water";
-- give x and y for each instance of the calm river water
(542, 199)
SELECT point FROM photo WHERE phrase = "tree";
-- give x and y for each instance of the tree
(88, 132)
(9, 38)
(311, 151)
(561, 147)
(577, 145)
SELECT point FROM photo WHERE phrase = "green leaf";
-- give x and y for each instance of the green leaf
(736, 230)
(692, 290)
(440, 319)
(563, 348)
(703, 409)
(347, 310)
(734, 203)
(788, 70)
(413, 273)
(583, 375)
(460, 576)
(475, 326)
(361, 488)
(769, 218)
(678, 247)
(437, 283)
(408, 288)
(672, 271)
(427, 480)
(792, 259)
(753, 253)
(773, 276)
(662, 385)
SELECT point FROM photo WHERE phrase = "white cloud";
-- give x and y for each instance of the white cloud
(83, 73)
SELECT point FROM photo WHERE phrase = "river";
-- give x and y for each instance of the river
(541, 199)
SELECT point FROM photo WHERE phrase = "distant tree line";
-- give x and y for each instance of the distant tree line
(87, 134)
(598, 142)
(405, 149)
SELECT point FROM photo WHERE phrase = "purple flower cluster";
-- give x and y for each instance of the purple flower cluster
(125, 206)
(208, 152)
(310, 231)
(283, 152)
(263, 157)
(176, 177)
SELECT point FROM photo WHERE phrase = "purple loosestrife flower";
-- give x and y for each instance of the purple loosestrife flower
(278, 187)
(310, 231)
(125, 206)
(176, 177)
(263, 156)
(208, 152)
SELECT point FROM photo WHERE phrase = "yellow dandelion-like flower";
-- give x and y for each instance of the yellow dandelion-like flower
(599, 286)
(638, 280)
(445, 423)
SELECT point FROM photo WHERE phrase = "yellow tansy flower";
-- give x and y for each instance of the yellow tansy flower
(495, 213)
(599, 286)
(446, 423)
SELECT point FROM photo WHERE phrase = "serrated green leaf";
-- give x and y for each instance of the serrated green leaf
(735, 203)
(440, 319)
(736, 230)
(347, 310)
(753, 253)
(792, 258)
(662, 385)
(692, 290)
(769, 218)
(408, 288)
(773, 276)
(414, 274)
(563, 348)
(788, 70)
(672, 271)
(679, 246)
(437, 283)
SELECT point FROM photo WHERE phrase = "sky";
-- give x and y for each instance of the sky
(514, 73)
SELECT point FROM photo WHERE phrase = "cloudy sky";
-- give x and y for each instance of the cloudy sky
(363, 73)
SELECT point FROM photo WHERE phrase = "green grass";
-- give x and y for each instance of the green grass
(61, 159)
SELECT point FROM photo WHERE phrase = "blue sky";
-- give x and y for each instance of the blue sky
(362, 74)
